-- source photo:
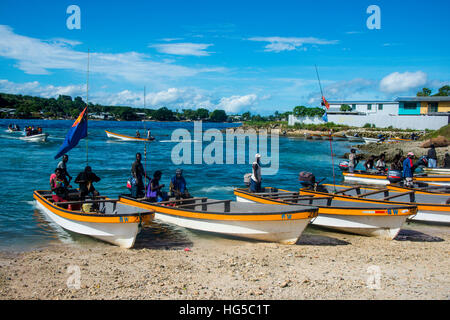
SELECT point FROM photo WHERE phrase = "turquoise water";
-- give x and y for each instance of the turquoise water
(26, 166)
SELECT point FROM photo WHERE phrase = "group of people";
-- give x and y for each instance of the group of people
(153, 192)
(31, 131)
(60, 182)
(138, 134)
(13, 127)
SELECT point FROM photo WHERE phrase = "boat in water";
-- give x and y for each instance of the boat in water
(339, 137)
(283, 224)
(382, 179)
(431, 206)
(354, 139)
(113, 221)
(437, 170)
(382, 220)
(316, 136)
(41, 137)
(125, 137)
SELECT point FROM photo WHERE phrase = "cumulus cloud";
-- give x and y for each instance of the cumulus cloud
(278, 44)
(235, 104)
(397, 82)
(35, 56)
(34, 88)
(183, 49)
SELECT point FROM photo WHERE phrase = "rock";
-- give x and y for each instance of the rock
(440, 141)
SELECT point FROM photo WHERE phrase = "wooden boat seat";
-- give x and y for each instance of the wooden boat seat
(205, 204)
(357, 188)
(412, 197)
(386, 193)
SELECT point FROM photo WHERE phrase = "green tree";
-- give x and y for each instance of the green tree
(218, 116)
(424, 93)
(443, 91)
(345, 107)
(202, 114)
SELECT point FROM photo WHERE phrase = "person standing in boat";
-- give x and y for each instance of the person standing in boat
(138, 135)
(85, 180)
(431, 156)
(63, 166)
(154, 193)
(352, 160)
(408, 170)
(255, 180)
(149, 134)
(138, 173)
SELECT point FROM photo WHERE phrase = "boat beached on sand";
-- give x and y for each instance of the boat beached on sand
(283, 224)
(431, 206)
(382, 220)
(113, 222)
(125, 137)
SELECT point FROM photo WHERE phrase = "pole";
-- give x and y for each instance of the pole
(87, 105)
(145, 150)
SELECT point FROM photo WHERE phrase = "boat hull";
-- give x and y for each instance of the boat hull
(121, 233)
(124, 137)
(36, 138)
(281, 228)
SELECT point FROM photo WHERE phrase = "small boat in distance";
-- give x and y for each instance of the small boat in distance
(113, 221)
(41, 137)
(125, 137)
(283, 224)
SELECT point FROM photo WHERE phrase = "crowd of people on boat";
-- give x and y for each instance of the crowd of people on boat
(13, 127)
(31, 131)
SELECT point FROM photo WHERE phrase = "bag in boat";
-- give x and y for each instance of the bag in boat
(247, 178)
(394, 176)
(343, 165)
(306, 178)
(130, 182)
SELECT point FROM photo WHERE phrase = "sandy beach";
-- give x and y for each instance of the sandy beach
(322, 265)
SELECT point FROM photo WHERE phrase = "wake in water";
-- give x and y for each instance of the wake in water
(216, 189)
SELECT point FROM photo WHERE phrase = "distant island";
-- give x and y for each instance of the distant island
(16, 106)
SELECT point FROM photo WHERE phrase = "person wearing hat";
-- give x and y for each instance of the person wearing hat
(178, 186)
(255, 181)
(408, 169)
(432, 158)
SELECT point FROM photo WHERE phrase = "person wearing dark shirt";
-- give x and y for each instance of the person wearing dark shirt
(138, 173)
(86, 181)
(63, 166)
(178, 186)
(370, 163)
(432, 158)
(447, 161)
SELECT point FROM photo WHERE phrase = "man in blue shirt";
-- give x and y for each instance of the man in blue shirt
(408, 170)
(178, 186)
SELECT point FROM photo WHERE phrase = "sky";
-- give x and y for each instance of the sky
(239, 56)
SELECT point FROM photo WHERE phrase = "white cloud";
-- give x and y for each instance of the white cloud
(235, 104)
(36, 89)
(35, 56)
(397, 82)
(278, 44)
(183, 49)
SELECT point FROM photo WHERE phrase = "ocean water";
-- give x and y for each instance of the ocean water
(26, 166)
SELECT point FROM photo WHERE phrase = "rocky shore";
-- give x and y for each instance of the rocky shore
(322, 265)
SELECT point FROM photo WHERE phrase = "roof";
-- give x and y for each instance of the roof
(426, 99)
(361, 102)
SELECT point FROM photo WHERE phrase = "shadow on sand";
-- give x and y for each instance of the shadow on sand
(416, 236)
(162, 236)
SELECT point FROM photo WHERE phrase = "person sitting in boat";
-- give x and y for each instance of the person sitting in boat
(39, 130)
(255, 180)
(408, 170)
(447, 160)
(138, 135)
(63, 166)
(138, 173)
(178, 186)
(28, 131)
(381, 164)
(86, 181)
(370, 163)
(154, 193)
(59, 186)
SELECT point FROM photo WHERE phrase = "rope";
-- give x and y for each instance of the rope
(332, 162)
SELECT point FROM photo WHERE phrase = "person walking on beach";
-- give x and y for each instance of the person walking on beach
(408, 170)
(63, 166)
(432, 158)
(138, 173)
(352, 160)
(255, 180)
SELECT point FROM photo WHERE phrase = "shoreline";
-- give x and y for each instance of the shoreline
(322, 265)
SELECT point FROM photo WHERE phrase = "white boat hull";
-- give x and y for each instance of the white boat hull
(36, 138)
(366, 180)
(432, 216)
(120, 234)
(285, 232)
(355, 139)
(385, 227)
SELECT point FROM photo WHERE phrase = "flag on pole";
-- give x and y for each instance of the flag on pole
(77, 132)
(325, 102)
(325, 116)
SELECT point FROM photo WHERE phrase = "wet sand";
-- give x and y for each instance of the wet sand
(322, 265)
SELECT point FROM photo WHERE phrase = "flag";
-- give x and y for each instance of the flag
(325, 116)
(325, 102)
(75, 134)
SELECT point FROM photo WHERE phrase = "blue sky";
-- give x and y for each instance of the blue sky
(256, 56)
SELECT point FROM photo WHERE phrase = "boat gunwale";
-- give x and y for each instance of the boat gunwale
(306, 213)
(360, 209)
(78, 216)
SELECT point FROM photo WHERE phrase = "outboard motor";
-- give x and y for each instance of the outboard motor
(247, 178)
(343, 165)
(423, 161)
(307, 179)
(394, 176)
